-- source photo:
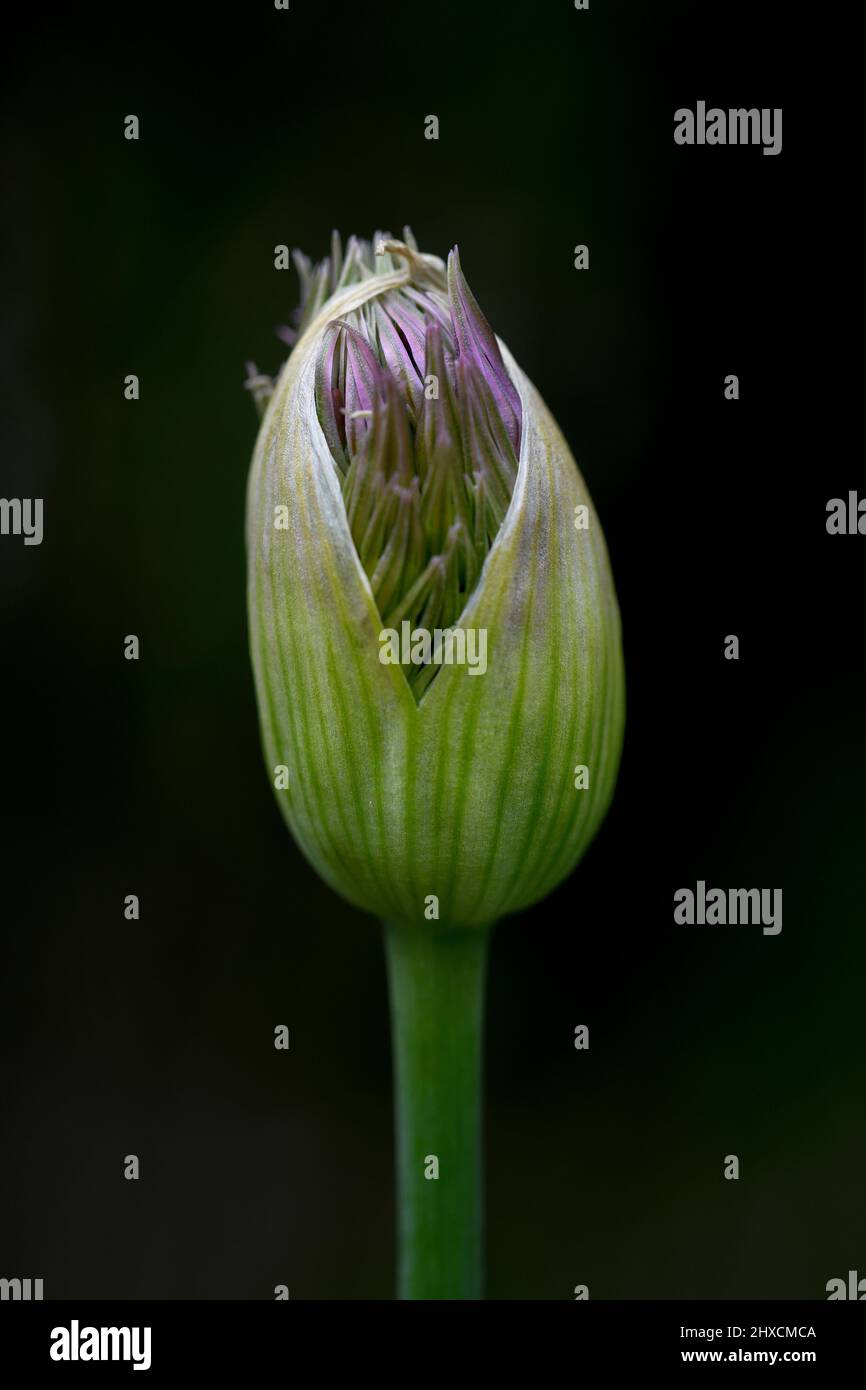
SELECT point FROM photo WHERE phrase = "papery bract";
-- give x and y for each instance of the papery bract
(455, 510)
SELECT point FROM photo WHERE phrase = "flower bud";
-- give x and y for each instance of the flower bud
(433, 623)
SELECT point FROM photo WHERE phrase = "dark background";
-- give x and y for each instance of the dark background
(156, 1038)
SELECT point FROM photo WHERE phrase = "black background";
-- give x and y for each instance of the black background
(155, 1038)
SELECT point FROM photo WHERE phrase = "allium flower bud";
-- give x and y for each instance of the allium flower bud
(433, 622)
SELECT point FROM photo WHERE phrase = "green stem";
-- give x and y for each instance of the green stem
(436, 980)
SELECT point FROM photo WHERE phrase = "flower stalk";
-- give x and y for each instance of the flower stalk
(436, 983)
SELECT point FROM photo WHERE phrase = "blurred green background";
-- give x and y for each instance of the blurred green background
(261, 127)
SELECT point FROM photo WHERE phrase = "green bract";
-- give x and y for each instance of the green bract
(404, 784)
